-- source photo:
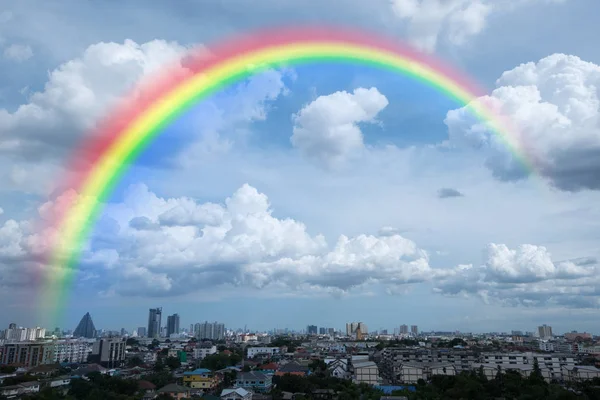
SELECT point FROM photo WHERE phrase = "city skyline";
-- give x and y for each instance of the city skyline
(312, 194)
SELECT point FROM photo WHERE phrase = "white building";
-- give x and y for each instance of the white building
(201, 352)
(236, 394)
(365, 372)
(72, 351)
(255, 351)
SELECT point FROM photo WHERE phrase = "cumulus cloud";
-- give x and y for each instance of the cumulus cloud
(526, 276)
(427, 21)
(326, 130)
(555, 106)
(445, 193)
(18, 52)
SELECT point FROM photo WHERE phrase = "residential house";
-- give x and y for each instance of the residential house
(269, 351)
(148, 388)
(59, 381)
(200, 378)
(236, 394)
(19, 390)
(88, 369)
(292, 368)
(269, 369)
(44, 370)
(204, 349)
(175, 391)
(338, 368)
(255, 381)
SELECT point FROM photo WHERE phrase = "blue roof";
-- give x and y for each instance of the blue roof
(390, 389)
(198, 371)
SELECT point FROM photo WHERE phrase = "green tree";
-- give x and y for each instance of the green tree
(135, 362)
(173, 362)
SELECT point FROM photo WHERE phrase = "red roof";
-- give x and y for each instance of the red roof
(146, 385)
(270, 366)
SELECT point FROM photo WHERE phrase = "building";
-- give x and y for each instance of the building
(204, 349)
(255, 381)
(403, 329)
(311, 329)
(236, 394)
(109, 352)
(27, 354)
(200, 378)
(141, 331)
(545, 332)
(71, 351)
(175, 391)
(577, 336)
(292, 368)
(352, 327)
(210, 331)
(154, 322)
(86, 328)
(20, 334)
(322, 331)
(365, 372)
(269, 351)
(172, 324)
(414, 329)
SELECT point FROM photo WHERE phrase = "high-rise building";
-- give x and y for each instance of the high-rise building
(85, 328)
(322, 331)
(330, 331)
(172, 324)
(545, 331)
(141, 331)
(311, 329)
(353, 326)
(414, 329)
(403, 329)
(211, 331)
(27, 354)
(154, 322)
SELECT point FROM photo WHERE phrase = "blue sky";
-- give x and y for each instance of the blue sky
(314, 195)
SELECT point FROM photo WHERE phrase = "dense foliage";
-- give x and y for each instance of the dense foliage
(218, 361)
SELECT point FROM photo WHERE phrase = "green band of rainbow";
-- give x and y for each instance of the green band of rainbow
(117, 144)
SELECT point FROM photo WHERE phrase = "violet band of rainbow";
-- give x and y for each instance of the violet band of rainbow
(116, 145)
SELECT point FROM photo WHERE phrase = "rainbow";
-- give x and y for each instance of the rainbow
(123, 135)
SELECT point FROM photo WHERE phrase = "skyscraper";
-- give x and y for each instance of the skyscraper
(211, 331)
(311, 329)
(172, 324)
(86, 327)
(154, 322)
(414, 329)
(403, 329)
(141, 331)
(545, 331)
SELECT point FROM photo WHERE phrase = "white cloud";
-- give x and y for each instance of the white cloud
(327, 131)
(427, 21)
(555, 105)
(18, 52)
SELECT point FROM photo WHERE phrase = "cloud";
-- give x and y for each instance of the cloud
(1, 211)
(326, 130)
(18, 52)
(525, 276)
(428, 21)
(555, 105)
(445, 193)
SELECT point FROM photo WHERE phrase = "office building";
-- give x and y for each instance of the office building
(414, 329)
(154, 322)
(322, 331)
(211, 331)
(141, 331)
(311, 329)
(403, 329)
(172, 324)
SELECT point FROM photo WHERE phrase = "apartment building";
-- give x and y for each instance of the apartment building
(27, 354)
(255, 381)
(71, 351)
(412, 372)
(365, 371)
(255, 351)
(200, 378)
(109, 352)
(203, 350)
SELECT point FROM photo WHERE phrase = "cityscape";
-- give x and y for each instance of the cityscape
(390, 362)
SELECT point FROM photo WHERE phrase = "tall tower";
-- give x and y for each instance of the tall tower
(172, 324)
(85, 328)
(154, 322)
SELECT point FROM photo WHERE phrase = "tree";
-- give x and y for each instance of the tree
(131, 342)
(173, 362)
(159, 366)
(135, 362)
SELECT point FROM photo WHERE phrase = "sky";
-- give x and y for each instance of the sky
(316, 194)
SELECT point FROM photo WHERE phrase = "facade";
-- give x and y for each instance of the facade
(255, 351)
(172, 324)
(211, 331)
(254, 381)
(403, 329)
(71, 351)
(414, 329)
(20, 334)
(109, 352)
(236, 394)
(365, 372)
(27, 354)
(86, 328)
(201, 378)
(154, 322)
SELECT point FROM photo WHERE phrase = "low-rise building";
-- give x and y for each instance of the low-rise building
(204, 350)
(268, 351)
(255, 381)
(200, 378)
(365, 372)
(236, 394)
(175, 391)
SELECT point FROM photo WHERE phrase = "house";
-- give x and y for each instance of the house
(175, 391)
(148, 388)
(45, 370)
(88, 369)
(338, 368)
(255, 381)
(19, 390)
(269, 369)
(200, 378)
(292, 368)
(236, 394)
(60, 381)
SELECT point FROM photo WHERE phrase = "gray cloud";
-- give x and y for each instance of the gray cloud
(445, 193)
